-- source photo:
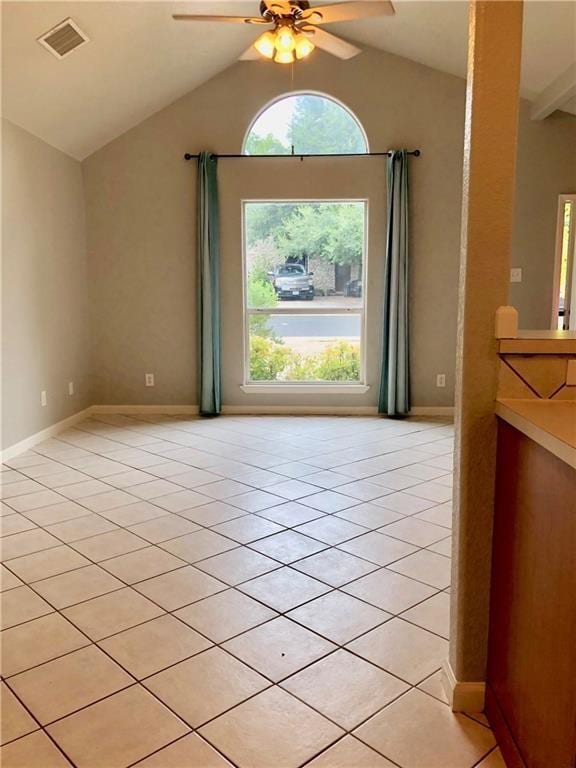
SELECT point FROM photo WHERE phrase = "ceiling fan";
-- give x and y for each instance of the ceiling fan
(295, 27)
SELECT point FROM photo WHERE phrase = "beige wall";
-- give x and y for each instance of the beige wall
(140, 201)
(45, 340)
(546, 168)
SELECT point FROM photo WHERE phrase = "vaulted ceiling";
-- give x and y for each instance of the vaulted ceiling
(139, 60)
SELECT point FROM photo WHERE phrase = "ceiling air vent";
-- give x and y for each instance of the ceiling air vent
(64, 38)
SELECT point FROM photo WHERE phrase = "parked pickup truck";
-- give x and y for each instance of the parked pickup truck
(291, 281)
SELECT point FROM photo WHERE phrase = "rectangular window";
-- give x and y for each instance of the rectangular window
(304, 277)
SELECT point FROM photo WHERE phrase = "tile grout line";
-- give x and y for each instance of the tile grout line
(139, 681)
(245, 513)
(239, 545)
(235, 586)
(128, 585)
(174, 421)
(281, 564)
(143, 449)
(217, 645)
(227, 586)
(248, 544)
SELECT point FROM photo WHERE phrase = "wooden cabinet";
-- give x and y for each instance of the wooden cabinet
(531, 678)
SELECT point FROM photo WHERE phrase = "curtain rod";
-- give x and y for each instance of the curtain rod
(414, 152)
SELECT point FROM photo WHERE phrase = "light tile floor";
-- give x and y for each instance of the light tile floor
(263, 592)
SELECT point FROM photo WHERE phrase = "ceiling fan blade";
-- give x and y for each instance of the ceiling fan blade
(234, 19)
(363, 9)
(332, 44)
(278, 6)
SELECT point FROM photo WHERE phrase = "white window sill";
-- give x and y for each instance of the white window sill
(304, 389)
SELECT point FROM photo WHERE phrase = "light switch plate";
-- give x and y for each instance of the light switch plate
(516, 275)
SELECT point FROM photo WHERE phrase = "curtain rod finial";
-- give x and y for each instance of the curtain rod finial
(188, 156)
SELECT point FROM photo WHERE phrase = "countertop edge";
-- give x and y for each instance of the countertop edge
(537, 346)
(547, 440)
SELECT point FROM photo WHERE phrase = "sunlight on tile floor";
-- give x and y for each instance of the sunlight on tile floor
(263, 592)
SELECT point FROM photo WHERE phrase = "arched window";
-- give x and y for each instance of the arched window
(305, 124)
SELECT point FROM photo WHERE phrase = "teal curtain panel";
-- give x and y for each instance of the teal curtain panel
(208, 250)
(394, 398)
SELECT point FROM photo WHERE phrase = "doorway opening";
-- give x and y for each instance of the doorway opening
(564, 303)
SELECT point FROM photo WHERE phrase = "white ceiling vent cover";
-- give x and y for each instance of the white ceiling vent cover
(64, 38)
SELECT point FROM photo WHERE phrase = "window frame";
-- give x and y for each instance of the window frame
(320, 387)
(304, 92)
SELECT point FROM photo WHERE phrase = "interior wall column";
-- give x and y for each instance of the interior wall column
(495, 44)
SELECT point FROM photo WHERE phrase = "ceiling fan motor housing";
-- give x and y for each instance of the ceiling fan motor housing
(300, 5)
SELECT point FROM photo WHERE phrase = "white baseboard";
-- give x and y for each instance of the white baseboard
(44, 434)
(462, 697)
(328, 410)
(300, 410)
(127, 410)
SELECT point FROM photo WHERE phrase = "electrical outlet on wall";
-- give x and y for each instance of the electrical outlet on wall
(149, 379)
(43, 398)
(441, 380)
(70, 388)
(516, 275)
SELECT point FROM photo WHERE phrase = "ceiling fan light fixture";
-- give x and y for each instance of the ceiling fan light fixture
(303, 47)
(284, 57)
(285, 41)
(265, 45)
(292, 22)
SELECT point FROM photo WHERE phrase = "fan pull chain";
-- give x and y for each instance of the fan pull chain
(292, 89)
